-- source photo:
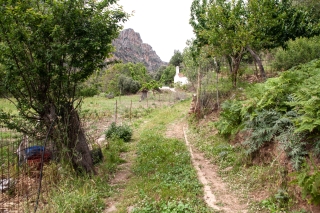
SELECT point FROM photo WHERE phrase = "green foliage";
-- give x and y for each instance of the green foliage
(125, 78)
(158, 73)
(79, 200)
(231, 119)
(147, 206)
(165, 171)
(176, 59)
(88, 92)
(281, 108)
(122, 132)
(152, 85)
(75, 194)
(307, 97)
(294, 146)
(278, 202)
(263, 128)
(299, 51)
(112, 154)
(48, 49)
(127, 85)
(310, 184)
(168, 75)
(47, 53)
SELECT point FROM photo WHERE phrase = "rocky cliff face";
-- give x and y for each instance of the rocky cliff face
(130, 48)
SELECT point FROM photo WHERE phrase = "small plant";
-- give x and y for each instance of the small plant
(292, 143)
(279, 202)
(263, 128)
(310, 185)
(230, 118)
(122, 132)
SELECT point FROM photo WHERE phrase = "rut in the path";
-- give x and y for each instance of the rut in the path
(216, 193)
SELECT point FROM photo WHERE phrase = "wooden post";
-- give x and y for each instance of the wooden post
(116, 112)
(147, 103)
(217, 91)
(130, 110)
(197, 108)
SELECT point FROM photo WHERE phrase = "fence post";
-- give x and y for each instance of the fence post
(116, 112)
(130, 110)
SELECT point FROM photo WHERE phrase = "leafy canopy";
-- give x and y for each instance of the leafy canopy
(49, 47)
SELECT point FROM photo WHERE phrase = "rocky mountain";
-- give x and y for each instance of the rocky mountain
(130, 48)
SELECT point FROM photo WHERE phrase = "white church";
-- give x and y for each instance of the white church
(179, 78)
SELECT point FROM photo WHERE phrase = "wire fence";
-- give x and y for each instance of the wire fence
(23, 159)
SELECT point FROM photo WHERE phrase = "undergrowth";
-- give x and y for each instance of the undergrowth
(277, 116)
(72, 194)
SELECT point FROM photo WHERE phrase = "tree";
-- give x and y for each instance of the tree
(158, 73)
(168, 75)
(125, 78)
(48, 48)
(226, 32)
(230, 28)
(176, 59)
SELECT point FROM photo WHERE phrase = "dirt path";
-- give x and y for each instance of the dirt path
(216, 192)
(118, 181)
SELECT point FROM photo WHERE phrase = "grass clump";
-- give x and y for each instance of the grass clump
(122, 132)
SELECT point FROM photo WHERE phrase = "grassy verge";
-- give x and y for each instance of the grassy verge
(164, 179)
(70, 193)
(262, 186)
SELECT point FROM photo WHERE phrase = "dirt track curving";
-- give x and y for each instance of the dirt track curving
(216, 193)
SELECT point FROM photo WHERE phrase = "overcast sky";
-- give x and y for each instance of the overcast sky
(163, 24)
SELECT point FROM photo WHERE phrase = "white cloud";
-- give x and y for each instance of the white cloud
(163, 24)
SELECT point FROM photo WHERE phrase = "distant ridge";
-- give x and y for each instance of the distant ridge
(130, 48)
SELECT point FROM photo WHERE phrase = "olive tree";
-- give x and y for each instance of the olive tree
(48, 48)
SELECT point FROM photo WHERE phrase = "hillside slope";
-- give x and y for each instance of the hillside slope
(130, 48)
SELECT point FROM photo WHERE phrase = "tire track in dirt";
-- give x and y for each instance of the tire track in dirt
(216, 193)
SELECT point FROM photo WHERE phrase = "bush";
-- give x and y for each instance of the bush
(230, 118)
(122, 132)
(310, 185)
(128, 85)
(88, 92)
(300, 51)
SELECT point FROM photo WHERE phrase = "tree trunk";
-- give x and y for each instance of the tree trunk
(68, 135)
(198, 106)
(144, 95)
(235, 68)
(258, 61)
(81, 156)
(229, 59)
(236, 60)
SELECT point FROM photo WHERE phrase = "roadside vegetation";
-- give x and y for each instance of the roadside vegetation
(254, 72)
(164, 179)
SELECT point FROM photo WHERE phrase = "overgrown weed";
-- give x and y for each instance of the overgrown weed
(71, 193)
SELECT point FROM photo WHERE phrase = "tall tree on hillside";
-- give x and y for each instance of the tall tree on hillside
(168, 75)
(176, 59)
(232, 27)
(271, 23)
(48, 48)
(227, 33)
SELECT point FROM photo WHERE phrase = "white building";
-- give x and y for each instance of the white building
(179, 78)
